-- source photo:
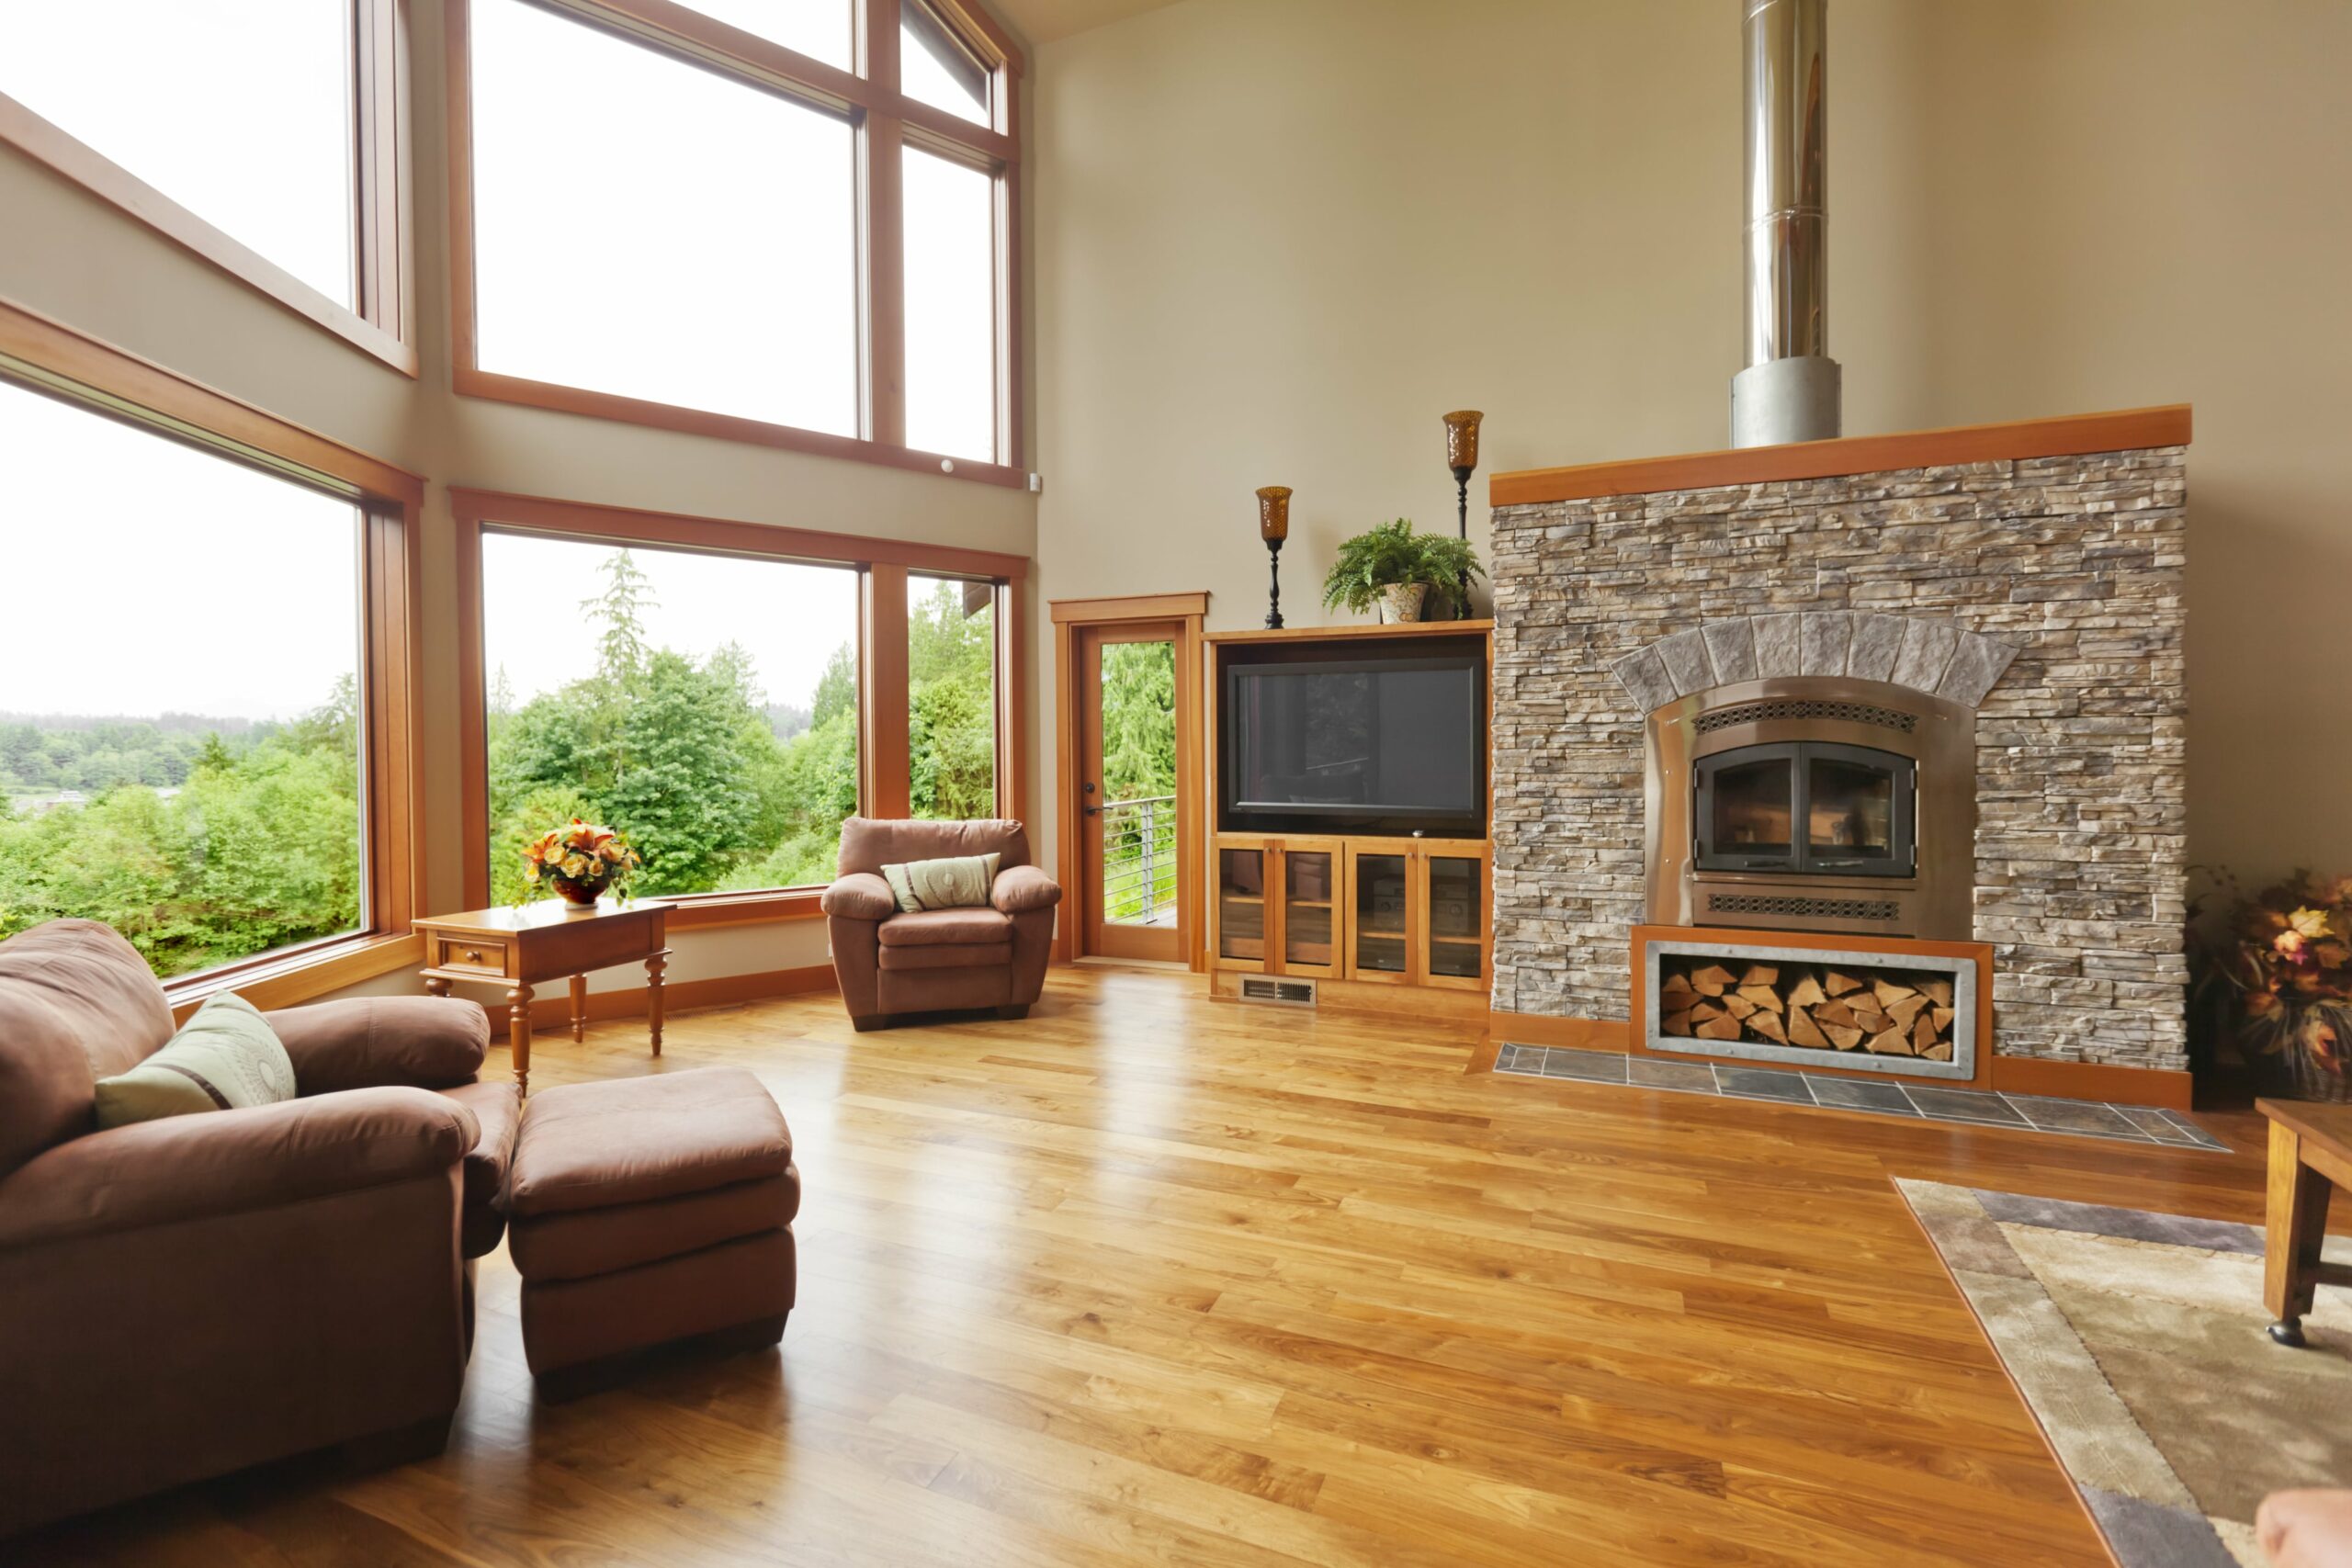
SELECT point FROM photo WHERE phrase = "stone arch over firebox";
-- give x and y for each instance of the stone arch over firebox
(1937, 657)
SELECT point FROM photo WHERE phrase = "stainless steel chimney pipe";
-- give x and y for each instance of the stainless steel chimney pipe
(1790, 389)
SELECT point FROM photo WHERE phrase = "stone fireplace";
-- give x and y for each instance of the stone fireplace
(1921, 690)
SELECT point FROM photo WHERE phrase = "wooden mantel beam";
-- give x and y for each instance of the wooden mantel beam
(2122, 430)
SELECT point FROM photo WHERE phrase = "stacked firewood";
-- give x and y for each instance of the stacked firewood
(1811, 1005)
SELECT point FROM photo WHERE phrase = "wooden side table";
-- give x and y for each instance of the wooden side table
(532, 944)
(2310, 1155)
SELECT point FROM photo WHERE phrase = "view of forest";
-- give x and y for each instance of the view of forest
(719, 788)
(209, 839)
(1139, 764)
(202, 841)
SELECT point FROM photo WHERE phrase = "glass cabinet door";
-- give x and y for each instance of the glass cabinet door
(1310, 894)
(1241, 904)
(1455, 928)
(1382, 891)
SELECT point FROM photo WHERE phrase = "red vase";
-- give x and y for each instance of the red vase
(581, 894)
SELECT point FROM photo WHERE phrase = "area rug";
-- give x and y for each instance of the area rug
(2138, 1341)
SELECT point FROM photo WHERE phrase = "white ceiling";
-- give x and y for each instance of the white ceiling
(1042, 21)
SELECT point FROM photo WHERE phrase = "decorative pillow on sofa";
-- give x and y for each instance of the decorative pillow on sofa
(959, 883)
(224, 1058)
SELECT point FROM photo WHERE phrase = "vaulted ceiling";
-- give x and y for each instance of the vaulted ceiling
(1042, 21)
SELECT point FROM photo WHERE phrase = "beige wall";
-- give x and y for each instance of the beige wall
(71, 257)
(1275, 239)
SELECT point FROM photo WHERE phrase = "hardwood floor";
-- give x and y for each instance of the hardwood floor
(1153, 1278)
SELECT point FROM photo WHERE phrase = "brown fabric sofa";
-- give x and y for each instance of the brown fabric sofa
(185, 1297)
(938, 960)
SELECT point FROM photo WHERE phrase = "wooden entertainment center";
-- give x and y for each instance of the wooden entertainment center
(1373, 919)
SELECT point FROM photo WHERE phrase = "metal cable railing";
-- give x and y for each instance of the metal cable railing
(1139, 860)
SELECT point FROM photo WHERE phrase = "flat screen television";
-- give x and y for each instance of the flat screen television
(1372, 744)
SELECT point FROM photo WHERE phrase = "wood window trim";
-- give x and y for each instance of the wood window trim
(383, 324)
(41, 351)
(1068, 616)
(884, 120)
(882, 740)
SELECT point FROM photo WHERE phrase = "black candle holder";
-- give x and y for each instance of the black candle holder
(1273, 526)
(1462, 457)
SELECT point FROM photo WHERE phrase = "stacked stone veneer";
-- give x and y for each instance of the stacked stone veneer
(2075, 562)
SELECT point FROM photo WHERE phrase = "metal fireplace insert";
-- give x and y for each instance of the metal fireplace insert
(1813, 803)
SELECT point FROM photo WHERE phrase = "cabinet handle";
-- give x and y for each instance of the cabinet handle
(473, 955)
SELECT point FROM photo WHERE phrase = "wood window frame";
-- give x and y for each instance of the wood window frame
(883, 742)
(45, 355)
(1071, 616)
(382, 323)
(883, 121)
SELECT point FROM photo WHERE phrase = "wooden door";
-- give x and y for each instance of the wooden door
(1382, 928)
(1307, 932)
(1132, 869)
(1451, 895)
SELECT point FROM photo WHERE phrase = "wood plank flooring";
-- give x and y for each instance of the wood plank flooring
(1151, 1278)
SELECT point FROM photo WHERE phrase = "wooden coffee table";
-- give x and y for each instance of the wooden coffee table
(527, 944)
(2310, 1155)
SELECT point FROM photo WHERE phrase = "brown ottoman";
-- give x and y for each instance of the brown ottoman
(648, 1210)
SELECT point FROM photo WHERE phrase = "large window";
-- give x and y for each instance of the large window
(647, 227)
(704, 705)
(181, 748)
(723, 218)
(725, 693)
(271, 125)
(950, 698)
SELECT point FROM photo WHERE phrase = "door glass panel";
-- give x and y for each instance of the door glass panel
(1753, 809)
(1849, 811)
(1306, 907)
(1454, 915)
(1138, 783)
(1241, 903)
(1380, 913)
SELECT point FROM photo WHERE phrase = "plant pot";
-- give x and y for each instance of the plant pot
(1401, 601)
(581, 897)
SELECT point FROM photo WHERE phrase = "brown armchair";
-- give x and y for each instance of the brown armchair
(185, 1297)
(939, 959)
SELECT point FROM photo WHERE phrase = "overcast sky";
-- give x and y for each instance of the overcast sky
(146, 577)
(788, 618)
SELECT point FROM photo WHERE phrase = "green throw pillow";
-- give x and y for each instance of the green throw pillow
(961, 881)
(224, 1058)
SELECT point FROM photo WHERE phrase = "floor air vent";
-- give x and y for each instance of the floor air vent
(1294, 993)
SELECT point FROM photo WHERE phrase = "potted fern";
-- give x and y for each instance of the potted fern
(1391, 566)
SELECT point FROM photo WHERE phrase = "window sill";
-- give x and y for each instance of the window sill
(289, 979)
(71, 160)
(495, 388)
(706, 912)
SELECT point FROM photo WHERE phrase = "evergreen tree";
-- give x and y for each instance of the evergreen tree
(628, 593)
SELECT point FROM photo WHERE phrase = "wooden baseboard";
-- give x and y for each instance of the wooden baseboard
(1577, 1034)
(2171, 1090)
(551, 1007)
(2015, 1074)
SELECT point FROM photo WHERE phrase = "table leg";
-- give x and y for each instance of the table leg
(653, 970)
(435, 986)
(579, 1009)
(2297, 1225)
(518, 1034)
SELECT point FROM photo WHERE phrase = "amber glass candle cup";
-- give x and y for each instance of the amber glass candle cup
(1273, 514)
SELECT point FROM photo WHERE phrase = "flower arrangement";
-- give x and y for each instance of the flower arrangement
(582, 859)
(1390, 564)
(2285, 957)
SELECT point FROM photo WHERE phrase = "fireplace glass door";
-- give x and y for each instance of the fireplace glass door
(1806, 807)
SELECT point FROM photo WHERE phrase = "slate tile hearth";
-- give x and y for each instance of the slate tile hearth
(2023, 1112)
